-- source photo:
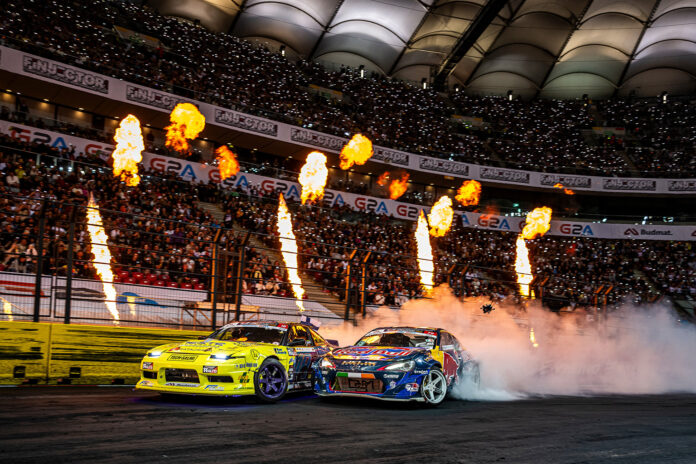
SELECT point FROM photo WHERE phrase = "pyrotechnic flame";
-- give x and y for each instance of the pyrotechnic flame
(469, 193)
(383, 179)
(227, 162)
(101, 256)
(398, 187)
(313, 177)
(566, 190)
(532, 338)
(426, 265)
(357, 151)
(186, 123)
(440, 217)
(538, 223)
(288, 248)
(128, 151)
(7, 308)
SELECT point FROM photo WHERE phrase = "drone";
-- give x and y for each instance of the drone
(487, 308)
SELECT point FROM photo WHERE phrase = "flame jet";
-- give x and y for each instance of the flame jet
(357, 151)
(288, 248)
(441, 216)
(227, 162)
(128, 151)
(186, 123)
(426, 265)
(313, 176)
(101, 256)
(398, 187)
(537, 224)
(469, 193)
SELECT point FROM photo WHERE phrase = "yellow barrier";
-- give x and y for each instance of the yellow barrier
(78, 354)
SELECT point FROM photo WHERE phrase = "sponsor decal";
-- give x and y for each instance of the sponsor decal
(244, 378)
(392, 384)
(328, 142)
(304, 350)
(411, 387)
(242, 121)
(629, 184)
(494, 222)
(391, 376)
(182, 357)
(406, 211)
(210, 369)
(390, 156)
(359, 363)
(576, 229)
(439, 165)
(681, 185)
(567, 181)
(214, 387)
(420, 371)
(245, 365)
(279, 350)
(182, 384)
(146, 383)
(147, 365)
(153, 98)
(505, 175)
(66, 74)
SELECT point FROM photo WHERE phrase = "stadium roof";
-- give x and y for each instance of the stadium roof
(552, 48)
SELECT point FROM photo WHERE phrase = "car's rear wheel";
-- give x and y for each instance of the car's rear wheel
(434, 387)
(270, 381)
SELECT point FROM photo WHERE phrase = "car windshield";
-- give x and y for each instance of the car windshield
(256, 334)
(399, 338)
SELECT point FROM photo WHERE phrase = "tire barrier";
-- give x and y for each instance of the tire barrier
(40, 353)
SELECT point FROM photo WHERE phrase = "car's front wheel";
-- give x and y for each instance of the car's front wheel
(270, 381)
(434, 387)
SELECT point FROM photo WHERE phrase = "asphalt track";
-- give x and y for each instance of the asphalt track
(116, 424)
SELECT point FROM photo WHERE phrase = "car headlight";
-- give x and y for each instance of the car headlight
(326, 364)
(403, 366)
(154, 354)
(220, 356)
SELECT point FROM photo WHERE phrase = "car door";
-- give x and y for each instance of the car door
(452, 357)
(301, 344)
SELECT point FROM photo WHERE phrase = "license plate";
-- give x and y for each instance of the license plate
(182, 357)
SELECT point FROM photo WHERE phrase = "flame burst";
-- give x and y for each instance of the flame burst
(357, 151)
(227, 162)
(469, 193)
(538, 223)
(7, 309)
(532, 338)
(440, 217)
(101, 256)
(566, 190)
(383, 179)
(313, 177)
(128, 151)
(288, 248)
(426, 265)
(398, 187)
(186, 123)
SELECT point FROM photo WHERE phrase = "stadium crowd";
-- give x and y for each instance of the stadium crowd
(221, 69)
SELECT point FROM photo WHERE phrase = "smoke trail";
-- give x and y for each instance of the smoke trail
(636, 350)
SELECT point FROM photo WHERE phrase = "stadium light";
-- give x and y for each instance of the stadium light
(424, 83)
(282, 50)
(509, 95)
(456, 87)
(362, 70)
(663, 97)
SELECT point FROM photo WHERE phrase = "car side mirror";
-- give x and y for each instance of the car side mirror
(297, 342)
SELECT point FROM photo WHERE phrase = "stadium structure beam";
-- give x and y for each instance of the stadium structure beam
(242, 6)
(326, 29)
(468, 39)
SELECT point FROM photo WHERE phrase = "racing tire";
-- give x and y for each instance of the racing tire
(433, 387)
(270, 381)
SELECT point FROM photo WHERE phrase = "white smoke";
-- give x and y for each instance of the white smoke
(635, 350)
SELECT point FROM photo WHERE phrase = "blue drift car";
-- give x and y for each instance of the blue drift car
(397, 364)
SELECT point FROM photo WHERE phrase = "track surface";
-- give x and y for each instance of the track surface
(116, 424)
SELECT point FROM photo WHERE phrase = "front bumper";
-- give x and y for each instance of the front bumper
(232, 378)
(404, 386)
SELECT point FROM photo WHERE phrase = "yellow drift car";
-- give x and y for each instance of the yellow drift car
(261, 358)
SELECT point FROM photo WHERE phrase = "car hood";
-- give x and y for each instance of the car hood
(376, 353)
(213, 346)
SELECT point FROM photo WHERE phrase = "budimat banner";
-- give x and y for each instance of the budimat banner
(25, 64)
